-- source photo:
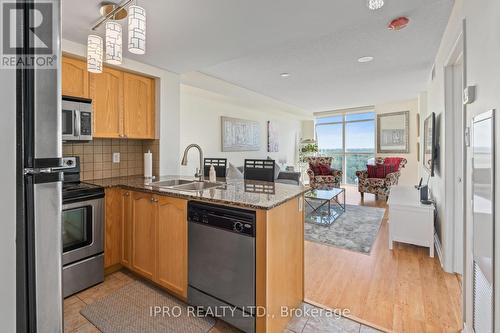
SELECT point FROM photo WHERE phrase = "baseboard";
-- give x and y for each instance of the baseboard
(112, 269)
(437, 247)
(351, 317)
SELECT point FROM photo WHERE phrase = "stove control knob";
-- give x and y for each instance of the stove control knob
(238, 227)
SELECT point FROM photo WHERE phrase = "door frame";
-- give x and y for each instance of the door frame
(454, 242)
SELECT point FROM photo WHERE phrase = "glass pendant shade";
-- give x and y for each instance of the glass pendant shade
(136, 30)
(113, 43)
(94, 54)
(375, 4)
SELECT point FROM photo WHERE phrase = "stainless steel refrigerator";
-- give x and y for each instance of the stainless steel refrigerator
(39, 152)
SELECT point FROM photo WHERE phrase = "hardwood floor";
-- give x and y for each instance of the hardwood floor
(403, 290)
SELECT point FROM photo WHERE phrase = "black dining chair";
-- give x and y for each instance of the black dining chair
(220, 165)
(262, 170)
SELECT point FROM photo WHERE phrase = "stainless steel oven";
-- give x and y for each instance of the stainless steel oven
(82, 231)
(76, 119)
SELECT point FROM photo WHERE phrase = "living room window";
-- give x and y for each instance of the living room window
(348, 138)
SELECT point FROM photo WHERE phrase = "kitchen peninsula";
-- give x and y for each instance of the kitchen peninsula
(147, 232)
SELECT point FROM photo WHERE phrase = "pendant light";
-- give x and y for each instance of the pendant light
(94, 54)
(113, 43)
(136, 29)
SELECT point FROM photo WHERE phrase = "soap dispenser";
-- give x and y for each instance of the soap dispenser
(212, 175)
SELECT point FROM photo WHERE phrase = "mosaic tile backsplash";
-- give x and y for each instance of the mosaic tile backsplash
(96, 157)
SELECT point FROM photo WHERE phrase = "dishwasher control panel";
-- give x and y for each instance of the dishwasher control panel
(230, 219)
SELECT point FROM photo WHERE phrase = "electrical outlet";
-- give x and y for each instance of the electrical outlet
(116, 157)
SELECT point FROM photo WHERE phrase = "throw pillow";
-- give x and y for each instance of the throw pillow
(324, 170)
(376, 171)
(394, 162)
(233, 172)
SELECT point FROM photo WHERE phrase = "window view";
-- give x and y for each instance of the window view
(349, 139)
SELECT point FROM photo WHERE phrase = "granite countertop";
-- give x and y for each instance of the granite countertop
(249, 194)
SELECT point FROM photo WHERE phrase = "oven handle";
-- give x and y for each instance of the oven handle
(83, 198)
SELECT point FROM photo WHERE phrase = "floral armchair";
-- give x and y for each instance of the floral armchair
(332, 179)
(380, 186)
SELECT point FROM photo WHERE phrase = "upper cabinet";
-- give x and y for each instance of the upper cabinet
(138, 105)
(124, 103)
(75, 78)
(106, 91)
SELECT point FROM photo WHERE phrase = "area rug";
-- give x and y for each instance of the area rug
(135, 308)
(356, 229)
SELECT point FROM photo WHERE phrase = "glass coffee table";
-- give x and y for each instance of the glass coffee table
(324, 205)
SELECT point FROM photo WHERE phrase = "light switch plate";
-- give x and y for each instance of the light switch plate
(116, 157)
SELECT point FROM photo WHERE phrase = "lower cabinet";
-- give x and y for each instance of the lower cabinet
(148, 235)
(113, 227)
(144, 234)
(172, 245)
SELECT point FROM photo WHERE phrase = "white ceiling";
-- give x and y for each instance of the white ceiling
(249, 43)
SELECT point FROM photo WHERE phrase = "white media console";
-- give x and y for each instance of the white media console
(410, 221)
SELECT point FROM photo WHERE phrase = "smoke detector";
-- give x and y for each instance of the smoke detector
(399, 23)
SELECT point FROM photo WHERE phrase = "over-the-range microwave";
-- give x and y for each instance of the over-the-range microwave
(76, 119)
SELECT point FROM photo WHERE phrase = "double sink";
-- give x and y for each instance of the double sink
(186, 185)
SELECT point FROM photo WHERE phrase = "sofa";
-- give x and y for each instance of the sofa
(283, 177)
(321, 174)
(381, 186)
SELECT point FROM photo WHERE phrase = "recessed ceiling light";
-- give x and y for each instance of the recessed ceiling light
(285, 74)
(365, 59)
(375, 4)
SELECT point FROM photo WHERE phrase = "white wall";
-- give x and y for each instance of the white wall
(201, 112)
(436, 104)
(482, 46)
(410, 174)
(8, 200)
(167, 103)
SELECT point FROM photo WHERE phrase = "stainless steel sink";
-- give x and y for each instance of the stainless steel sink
(185, 185)
(171, 182)
(197, 186)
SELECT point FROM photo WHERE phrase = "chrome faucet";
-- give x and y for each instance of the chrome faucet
(199, 171)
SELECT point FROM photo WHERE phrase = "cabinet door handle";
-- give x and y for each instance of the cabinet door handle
(126, 194)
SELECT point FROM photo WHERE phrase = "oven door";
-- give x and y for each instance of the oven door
(82, 229)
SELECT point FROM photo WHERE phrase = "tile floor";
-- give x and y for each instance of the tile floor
(74, 322)
(325, 323)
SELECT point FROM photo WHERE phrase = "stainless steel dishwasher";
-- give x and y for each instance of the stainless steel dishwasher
(222, 262)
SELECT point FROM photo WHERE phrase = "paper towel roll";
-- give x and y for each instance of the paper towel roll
(148, 165)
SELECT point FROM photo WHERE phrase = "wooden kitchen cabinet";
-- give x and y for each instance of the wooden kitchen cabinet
(123, 103)
(113, 227)
(75, 77)
(126, 228)
(143, 234)
(138, 106)
(172, 245)
(106, 91)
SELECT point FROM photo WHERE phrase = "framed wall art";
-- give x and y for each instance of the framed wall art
(393, 132)
(273, 144)
(240, 134)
